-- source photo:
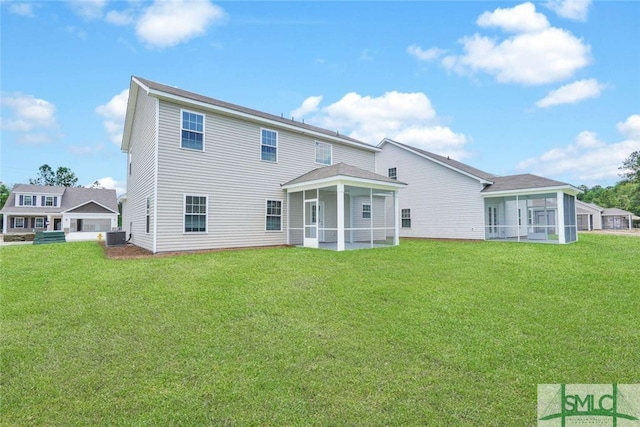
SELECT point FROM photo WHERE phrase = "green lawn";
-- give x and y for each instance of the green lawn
(427, 333)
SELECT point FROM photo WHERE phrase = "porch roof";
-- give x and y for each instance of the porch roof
(526, 184)
(341, 171)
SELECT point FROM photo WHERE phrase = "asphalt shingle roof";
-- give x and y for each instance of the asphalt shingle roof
(521, 182)
(341, 169)
(72, 197)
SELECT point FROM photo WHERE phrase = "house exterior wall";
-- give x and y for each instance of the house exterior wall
(141, 172)
(443, 202)
(229, 172)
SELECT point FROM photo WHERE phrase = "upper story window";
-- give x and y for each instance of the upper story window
(49, 201)
(192, 131)
(25, 200)
(366, 211)
(323, 153)
(269, 145)
(393, 173)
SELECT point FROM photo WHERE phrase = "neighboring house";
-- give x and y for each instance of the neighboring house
(205, 174)
(589, 216)
(81, 213)
(449, 199)
(617, 219)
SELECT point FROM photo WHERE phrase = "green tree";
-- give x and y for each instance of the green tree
(631, 167)
(62, 177)
(4, 195)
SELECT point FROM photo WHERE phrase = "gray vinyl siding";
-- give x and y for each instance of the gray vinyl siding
(444, 203)
(232, 175)
(140, 184)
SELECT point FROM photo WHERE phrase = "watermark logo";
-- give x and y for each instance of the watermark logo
(568, 405)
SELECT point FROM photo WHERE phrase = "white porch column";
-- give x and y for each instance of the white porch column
(289, 217)
(396, 210)
(340, 213)
(560, 202)
(371, 216)
(5, 219)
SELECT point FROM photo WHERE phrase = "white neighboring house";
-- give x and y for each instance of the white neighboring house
(204, 173)
(449, 199)
(82, 213)
(589, 216)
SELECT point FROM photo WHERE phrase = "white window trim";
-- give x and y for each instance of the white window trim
(204, 136)
(35, 225)
(315, 145)
(266, 201)
(362, 211)
(403, 218)
(277, 146)
(15, 222)
(389, 173)
(53, 201)
(30, 197)
(184, 214)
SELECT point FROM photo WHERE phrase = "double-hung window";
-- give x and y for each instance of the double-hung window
(148, 216)
(192, 131)
(195, 214)
(18, 222)
(405, 215)
(393, 173)
(366, 211)
(323, 153)
(269, 145)
(27, 200)
(39, 222)
(274, 215)
(49, 201)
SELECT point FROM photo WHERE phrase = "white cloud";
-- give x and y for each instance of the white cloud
(88, 9)
(171, 22)
(630, 128)
(522, 18)
(110, 183)
(115, 17)
(572, 93)
(27, 113)
(536, 54)
(571, 9)
(309, 105)
(21, 8)
(114, 113)
(425, 55)
(587, 160)
(406, 117)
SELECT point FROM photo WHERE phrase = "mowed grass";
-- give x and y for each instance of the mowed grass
(427, 333)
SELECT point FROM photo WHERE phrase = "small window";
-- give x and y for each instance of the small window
(405, 215)
(27, 200)
(274, 215)
(366, 211)
(49, 201)
(18, 222)
(195, 214)
(148, 216)
(39, 223)
(393, 173)
(323, 153)
(269, 145)
(192, 131)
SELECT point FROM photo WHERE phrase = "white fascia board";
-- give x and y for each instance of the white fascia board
(341, 179)
(528, 191)
(261, 120)
(87, 202)
(128, 121)
(481, 180)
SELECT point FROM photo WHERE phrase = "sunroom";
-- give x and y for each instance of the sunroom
(545, 213)
(342, 207)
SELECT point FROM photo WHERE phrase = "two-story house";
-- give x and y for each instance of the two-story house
(77, 211)
(203, 173)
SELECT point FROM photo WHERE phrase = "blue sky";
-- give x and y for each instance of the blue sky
(551, 88)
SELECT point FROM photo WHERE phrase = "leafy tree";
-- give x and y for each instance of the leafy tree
(631, 167)
(63, 177)
(4, 195)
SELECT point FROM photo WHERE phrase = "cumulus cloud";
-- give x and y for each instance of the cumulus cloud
(21, 8)
(123, 17)
(425, 55)
(309, 105)
(576, 10)
(110, 183)
(114, 113)
(88, 9)
(29, 115)
(519, 19)
(533, 52)
(572, 93)
(406, 117)
(167, 23)
(588, 160)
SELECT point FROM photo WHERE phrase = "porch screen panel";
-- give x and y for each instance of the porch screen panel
(570, 232)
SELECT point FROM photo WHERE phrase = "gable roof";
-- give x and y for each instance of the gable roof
(522, 182)
(342, 170)
(71, 198)
(455, 165)
(204, 102)
(615, 212)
